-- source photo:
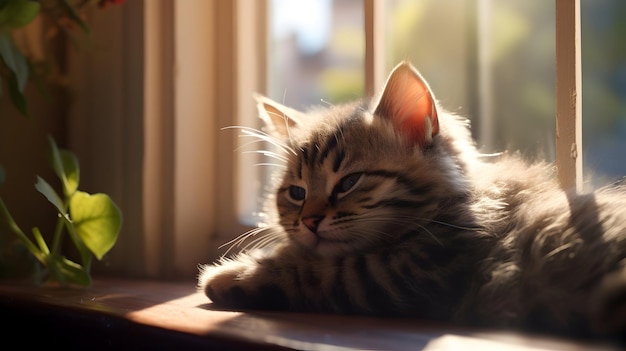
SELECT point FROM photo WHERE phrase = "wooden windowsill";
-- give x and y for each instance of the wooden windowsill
(125, 314)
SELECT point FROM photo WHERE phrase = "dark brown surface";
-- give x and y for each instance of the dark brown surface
(130, 314)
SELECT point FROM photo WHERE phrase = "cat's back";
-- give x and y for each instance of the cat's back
(555, 250)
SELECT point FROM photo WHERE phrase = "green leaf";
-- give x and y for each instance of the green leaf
(17, 97)
(97, 220)
(18, 13)
(14, 60)
(55, 159)
(18, 71)
(44, 188)
(72, 172)
(65, 165)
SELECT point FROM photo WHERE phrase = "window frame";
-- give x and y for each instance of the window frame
(166, 164)
(569, 156)
(147, 131)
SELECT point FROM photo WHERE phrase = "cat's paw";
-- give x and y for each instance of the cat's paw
(241, 284)
(225, 283)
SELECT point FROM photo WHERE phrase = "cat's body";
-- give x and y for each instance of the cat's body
(386, 208)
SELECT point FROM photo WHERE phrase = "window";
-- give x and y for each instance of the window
(490, 60)
(176, 72)
(314, 56)
(604, 89)
(316, 51)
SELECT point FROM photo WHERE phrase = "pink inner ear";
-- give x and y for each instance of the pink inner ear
(417, 114)
(278, 118)
(409, 104)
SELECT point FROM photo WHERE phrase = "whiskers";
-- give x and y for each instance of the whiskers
(268, 153)
(283, 160)
(406, 220)
(494, 154)
(397, 220)
(255, 238)
(262, 136)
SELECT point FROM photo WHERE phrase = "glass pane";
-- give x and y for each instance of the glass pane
(433, 35)
(489, 60)
(494, 62)
(604, 89)
(316, 51)
(315, 56)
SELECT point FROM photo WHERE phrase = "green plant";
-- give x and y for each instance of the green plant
(15, 14)
(15, 67)
(92, 221)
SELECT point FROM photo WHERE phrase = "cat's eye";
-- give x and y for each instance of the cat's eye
(347, 182)
(297, 193)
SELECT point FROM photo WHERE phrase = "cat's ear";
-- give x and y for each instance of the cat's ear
(409, 104)
(278, 118)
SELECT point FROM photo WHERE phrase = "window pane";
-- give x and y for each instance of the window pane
(316, 51)
(604, 89)
(489, 60)
(315, 55)
(494, 62)
(434, 36)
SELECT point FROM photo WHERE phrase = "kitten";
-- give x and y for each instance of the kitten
(385, 207)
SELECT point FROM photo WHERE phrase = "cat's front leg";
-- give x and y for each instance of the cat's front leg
(243, 282)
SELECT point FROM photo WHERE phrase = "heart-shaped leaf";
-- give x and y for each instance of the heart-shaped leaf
(97, 221)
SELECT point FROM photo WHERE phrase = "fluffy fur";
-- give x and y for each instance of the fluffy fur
(385, 207)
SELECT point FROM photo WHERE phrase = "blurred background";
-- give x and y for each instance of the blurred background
(490, 60)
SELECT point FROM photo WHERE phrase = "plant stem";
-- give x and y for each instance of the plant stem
(58, 233)
(34, 250)
(40, 241)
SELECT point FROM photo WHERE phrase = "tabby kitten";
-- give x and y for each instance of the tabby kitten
(385, 207)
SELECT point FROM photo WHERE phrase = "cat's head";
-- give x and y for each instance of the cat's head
(363, 174)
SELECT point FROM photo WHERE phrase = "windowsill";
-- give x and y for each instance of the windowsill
(122, 314)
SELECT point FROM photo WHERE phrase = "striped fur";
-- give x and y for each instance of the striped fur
(370, 219)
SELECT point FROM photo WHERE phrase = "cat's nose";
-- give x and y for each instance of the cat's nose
(312, 222)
